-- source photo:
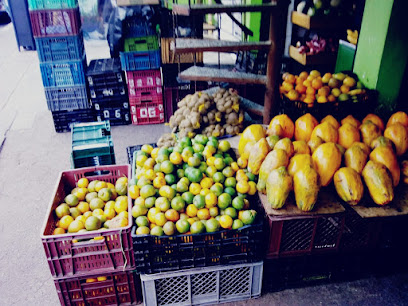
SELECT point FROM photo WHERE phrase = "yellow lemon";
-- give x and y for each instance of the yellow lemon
(242, 186)
(83, 182)
(206, 182)
(195, 188)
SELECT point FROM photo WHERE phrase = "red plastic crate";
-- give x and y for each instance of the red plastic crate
(147, 113)
(114, 252)
(144, 78)
(303, 234)
(145, 91)
(146, 99)
(46, 23)
(119, 288)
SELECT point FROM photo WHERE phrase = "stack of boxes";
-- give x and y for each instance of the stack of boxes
(57, 31)
(107, 91)
(92, 145)
(141, 63)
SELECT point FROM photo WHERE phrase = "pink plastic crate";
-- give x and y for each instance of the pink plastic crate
(146, 99)
(147, 113)
(64, 22)
(145, 91)
(119, 288)
(112, 252)
(143, 78)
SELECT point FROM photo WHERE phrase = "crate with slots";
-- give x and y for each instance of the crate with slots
(109, 288)
(108, 90)
(62, 48)
(142, 60)
(67, 98)
(147, 113)
(56, 22)
(63, 120)
(51, 4)
(105, 71)
(102, 251)
(116, 115)
(66, 73)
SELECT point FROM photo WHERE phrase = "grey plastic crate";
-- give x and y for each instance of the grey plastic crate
(209, 285)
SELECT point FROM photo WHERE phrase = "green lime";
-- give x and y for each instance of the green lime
(217, 189)
(178, 203)
(157, 167)
(231, 191)
(188, 197)
(198, 148)
(224, 200)
(237, 224)
(167, 167)
(232, 212)
(178, 149)
(251, 176)
(194, 161)
(230, 182)
(238, 203)
(181, 187)
(210, 171)
(180, 173)
(199, 155)
(219, 163)
(218, 177)
(194, 175)
(201, 139)
(199, 201)
(224, 146)
(228, 160)
(212, 225)
(185, 181)
(185, 142)
(202, 167)
(197, 227)
(150, 201)
(170, 179)
(228, 172)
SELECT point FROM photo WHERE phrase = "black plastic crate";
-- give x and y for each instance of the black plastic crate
(115, 115)
(131, 149)
(169, 253)
(108, 90)
(105, 71)
(108, 103)
(63, 120)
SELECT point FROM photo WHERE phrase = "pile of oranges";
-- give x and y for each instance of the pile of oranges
(313, 88)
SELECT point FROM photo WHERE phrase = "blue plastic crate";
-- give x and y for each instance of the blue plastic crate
(140, 60)
(69, 73)
(63, 48)
(66, 98)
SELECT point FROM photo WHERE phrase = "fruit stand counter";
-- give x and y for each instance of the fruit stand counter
(398, 207)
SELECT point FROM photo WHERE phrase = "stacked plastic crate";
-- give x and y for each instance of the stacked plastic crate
(57, 31)
(107, 91)
(141, 63)
(92, 145)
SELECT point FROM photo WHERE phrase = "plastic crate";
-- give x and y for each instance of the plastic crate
(303, 234)
(93, 152)
(63, 120)
(119, 288)
(131, 61)
(132, 149)
(63, 22)
(138, 44)
(115, 115)
(107, 103)
(146, 92)
(112, 252)
(107, 90)
(147, 113)
(51, 4)
(210, 285)
(93, 161)
(135, 27)
(63, 48)
(105, 71)
(69, 73)
(169, 253)
(89, 131)
(66, 98)
(144, 78)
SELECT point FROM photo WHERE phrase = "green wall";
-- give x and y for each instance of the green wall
(253, 21)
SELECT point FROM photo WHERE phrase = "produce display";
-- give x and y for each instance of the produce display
(201, 113)
(194, 187)
(305, 156)
(316, 45)
(313, 88)
(92, 206)
(321, 7)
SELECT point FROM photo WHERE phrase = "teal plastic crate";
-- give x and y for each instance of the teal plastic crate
(91, 130)
(51, 4)
(138, 44)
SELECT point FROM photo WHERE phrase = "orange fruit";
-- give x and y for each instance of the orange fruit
(331, 98)
(307, 83)
(317, 83)
(344, 89)
(321, 99)
(83, 182)
(58, 231)
(134, 192)
(242, 186)
(300, 88)
(287, 86)
(324, 91)
(310, 91)
(65, 221)
(191, 210)
(303, 75)
(172, 215)
(290, 78)
(293, 95)
(203, 214)
(315, 73)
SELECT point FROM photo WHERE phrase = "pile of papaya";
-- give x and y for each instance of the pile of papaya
(305, 155)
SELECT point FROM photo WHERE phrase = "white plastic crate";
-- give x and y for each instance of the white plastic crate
(209, 285)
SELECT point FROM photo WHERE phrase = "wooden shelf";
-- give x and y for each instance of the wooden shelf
(137, 2)
(318, 22)
(186, 45)
(202, 9)
(196, 73)
(316, 59)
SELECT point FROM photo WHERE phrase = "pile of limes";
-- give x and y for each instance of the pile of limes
(194, 187)
(93, 205)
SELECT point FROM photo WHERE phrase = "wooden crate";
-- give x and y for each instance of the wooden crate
(318, 22)
(168, 56)
(316, 59)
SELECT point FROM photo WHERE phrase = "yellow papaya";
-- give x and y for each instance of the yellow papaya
(314, 143)
(253, 132)
(353, 121)
(330, 119)
(306, 186)
(299, 161)
(398, 134)
(326, 131)
(326, 161)
(300, 147)
(379, 182)
(382, 142)
(278, 187)
(369, 132)
(285, 144)
(257, 156)
(356, 158)
(348, 134)
(304, 127)
(272, 140)
(376, 120)
(282, 126)
(349, 185)
(387, 157)
(275, 159)
(247, 150)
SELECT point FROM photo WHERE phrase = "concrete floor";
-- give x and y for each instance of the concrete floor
(31, 156)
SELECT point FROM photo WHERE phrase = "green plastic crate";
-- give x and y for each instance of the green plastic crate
(139, 44)
(92, 130)
(51, 4)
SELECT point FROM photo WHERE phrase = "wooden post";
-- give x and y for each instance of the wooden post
(271, 67)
